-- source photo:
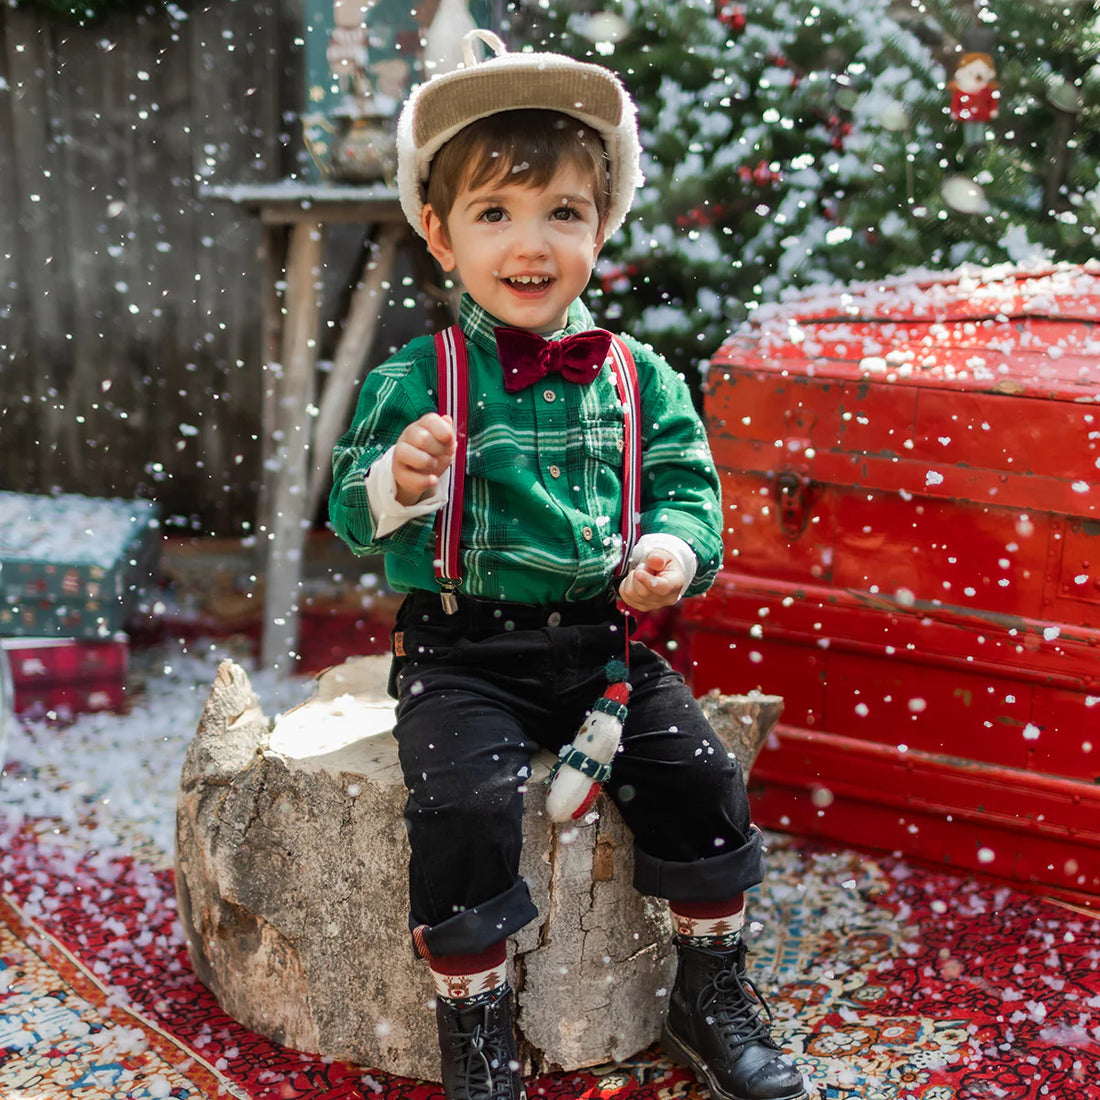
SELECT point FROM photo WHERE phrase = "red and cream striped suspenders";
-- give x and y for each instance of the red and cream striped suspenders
(454, 389)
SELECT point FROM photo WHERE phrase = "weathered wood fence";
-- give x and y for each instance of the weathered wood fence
(130, 352)
(130, 341)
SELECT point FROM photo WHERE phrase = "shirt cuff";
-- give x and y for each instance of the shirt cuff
(671, 544)
(385, 510)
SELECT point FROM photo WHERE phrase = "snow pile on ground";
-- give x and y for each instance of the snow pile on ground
(108, 781)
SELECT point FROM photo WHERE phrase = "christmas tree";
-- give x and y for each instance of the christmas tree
(836, 140)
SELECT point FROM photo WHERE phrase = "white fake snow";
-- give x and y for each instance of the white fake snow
(110, 780)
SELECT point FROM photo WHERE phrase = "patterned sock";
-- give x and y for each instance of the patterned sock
(464, 977)
(713, 924)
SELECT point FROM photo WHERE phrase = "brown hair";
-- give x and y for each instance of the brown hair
(969, 59)
(525, 146)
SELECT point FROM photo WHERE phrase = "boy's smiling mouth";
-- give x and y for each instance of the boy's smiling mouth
(528, 282)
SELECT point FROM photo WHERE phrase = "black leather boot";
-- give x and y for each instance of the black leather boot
(477, 1043)
(716, 1026)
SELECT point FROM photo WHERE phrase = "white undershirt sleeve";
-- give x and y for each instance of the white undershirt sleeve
(671, 544)
(387, 513)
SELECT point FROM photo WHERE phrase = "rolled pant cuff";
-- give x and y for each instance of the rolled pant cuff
(476, 929)
(715, 878)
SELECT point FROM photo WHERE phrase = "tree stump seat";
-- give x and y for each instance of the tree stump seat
(291, 878)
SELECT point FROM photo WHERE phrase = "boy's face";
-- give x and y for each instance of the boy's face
(522, 253)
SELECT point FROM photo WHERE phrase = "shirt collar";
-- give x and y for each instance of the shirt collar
(478, 324)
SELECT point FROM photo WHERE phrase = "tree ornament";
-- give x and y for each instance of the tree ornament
(963, 195)
(730, 15)
(894, 117)
(700, 217)
(839, 129)
(617, 277)
(1064, 96)
(761, 175)
(603, 27)
(975, 95)
(584, 765)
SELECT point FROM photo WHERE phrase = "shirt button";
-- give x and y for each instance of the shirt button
(555, 471)
(586, 532)
(549, 395)
(554, 619)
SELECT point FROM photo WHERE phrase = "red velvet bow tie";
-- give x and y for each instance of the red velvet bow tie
(526, 357)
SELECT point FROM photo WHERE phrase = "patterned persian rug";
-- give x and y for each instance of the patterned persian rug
(886, 984)
(886, 981)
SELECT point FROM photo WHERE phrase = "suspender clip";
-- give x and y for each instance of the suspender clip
(447, 597)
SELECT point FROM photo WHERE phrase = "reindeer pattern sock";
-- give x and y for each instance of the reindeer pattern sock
(465, 977)
(716, 925)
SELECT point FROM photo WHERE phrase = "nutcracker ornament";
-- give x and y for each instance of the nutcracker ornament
(349, 133)
(975, 98)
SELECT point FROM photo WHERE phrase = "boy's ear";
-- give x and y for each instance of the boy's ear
(435, 232)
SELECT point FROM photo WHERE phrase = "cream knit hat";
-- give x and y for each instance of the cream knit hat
(439, 108)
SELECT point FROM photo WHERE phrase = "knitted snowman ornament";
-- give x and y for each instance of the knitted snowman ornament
(584, 765)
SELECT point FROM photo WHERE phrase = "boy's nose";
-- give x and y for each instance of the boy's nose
(531, 240)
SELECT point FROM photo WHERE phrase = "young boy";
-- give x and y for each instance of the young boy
(515, 170)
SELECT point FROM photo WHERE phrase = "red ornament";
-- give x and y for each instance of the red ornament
(839, 129)
(761, 174)
(618, 279)
(701, 216)
(731, 15)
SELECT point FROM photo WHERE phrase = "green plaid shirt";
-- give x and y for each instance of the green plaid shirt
(543, 490)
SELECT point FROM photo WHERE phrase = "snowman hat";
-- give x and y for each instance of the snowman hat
(617, 693)
(437, 109)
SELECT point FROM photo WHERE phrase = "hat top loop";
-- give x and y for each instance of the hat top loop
(491, 40)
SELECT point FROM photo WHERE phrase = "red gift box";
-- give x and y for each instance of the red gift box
(62, 677)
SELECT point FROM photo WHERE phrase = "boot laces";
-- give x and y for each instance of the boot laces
(487, 1069)
(732, 1000)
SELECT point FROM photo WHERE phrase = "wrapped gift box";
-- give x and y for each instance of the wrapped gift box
(73, 566)
(66, 676)
(911, 487)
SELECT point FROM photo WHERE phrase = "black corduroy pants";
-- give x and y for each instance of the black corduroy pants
(479, 693)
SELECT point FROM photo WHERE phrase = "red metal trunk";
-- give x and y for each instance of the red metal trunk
(911, 479)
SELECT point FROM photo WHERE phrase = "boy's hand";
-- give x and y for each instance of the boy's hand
(657, 582)
(422, 452)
